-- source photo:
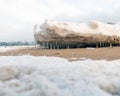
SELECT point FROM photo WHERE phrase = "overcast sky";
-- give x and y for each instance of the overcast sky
(17, 17)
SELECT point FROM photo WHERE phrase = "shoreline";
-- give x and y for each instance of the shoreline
(105, 53)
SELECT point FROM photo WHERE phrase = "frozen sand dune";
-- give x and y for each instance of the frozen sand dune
(52, 76)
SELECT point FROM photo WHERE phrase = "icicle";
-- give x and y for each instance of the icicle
(111, 45)
(100, 44)
(53, 46)
(68, 46)
(103, 44)
(96, 45)
(79, 45)
(44, 45)
(41, 45)
(47, 45)
(57, 46)
(50, 46)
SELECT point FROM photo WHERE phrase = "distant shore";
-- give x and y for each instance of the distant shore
(106, 53)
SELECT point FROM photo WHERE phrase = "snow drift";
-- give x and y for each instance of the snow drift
(53, 34)
(52, 76)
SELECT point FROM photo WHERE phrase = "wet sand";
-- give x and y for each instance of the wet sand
(71, 54)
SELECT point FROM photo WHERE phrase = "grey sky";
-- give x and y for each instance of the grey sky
(17, 17)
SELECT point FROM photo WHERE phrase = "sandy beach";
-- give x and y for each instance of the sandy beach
(106, 53)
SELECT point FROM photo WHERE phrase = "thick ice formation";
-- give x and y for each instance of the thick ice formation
(53, 34)
(52, 76)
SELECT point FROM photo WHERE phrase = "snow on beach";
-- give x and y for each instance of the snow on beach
(9, 48)
(53, 76)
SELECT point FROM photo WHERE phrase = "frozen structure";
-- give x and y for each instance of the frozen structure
(55, 35)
